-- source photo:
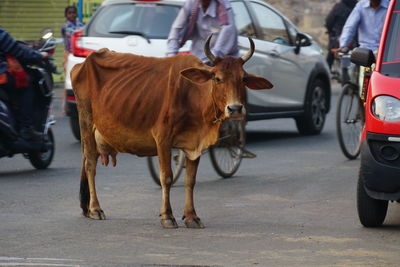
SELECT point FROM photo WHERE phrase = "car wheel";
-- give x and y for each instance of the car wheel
(74, 123)
(313, 119)
(371, 212)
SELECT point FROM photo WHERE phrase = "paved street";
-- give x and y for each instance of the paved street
(294, 205)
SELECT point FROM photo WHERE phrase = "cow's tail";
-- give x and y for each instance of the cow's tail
(84, 194)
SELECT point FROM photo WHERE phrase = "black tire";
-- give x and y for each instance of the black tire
(178, 163)
(371, 212)
(226, 155)
(41, 160)
(313, 119)
(76, 131)
(350, 119)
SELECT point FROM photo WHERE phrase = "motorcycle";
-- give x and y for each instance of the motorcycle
(39, 152)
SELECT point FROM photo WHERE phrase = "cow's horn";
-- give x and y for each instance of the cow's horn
(250, 52)
(207, 50)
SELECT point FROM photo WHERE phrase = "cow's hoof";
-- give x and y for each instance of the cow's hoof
(97, 215)
(169, 223)
(194, 223)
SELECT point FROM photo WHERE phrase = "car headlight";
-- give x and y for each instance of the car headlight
(386, 108)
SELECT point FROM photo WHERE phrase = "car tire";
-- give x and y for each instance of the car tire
(371, 212)
(313, 119)
(76, 131)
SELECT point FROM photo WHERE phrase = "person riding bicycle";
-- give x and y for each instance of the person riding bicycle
(367, 20)
(196, 20)
(15, 88)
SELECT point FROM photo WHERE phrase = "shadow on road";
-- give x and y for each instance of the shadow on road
(28, 173)
(266, 136)
(20, 173)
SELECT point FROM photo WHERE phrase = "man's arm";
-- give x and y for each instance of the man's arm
(9, 46)
(227, 37)
(177, 29)
(351, 26)
(62, 30)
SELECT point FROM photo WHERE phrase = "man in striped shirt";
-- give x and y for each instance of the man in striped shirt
(22, 97)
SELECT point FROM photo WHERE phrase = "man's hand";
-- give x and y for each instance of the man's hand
(343, 49)
(44, 55)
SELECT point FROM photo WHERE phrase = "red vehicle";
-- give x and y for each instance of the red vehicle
(379, 176)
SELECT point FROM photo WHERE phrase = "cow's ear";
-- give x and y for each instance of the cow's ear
(257, 82)
(197, 75)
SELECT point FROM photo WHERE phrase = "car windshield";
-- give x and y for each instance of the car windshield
(391, 55)
(149, 20)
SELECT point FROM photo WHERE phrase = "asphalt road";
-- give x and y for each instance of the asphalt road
(292, 205)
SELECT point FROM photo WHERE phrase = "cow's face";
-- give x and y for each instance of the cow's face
(229, 81)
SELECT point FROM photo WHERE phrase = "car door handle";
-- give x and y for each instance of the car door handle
(274, 53)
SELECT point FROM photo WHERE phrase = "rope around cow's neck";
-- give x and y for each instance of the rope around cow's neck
(214, 104)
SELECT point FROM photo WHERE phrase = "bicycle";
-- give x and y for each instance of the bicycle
(350, 114)
(226, 155)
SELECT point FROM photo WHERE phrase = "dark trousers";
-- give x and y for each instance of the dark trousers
(330, 58)
(20, 100)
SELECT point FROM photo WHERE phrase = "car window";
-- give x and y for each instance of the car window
(154, 21)
(272, 27)
(243, 21)
(391, 55)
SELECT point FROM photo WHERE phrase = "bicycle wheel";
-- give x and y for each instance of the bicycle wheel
(177, 162)
(349, 121)
(226, 155)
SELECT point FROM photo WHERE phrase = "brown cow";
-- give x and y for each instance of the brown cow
(146, 106)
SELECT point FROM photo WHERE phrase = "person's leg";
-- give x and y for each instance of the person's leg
(329, 59)
(361, 75)
(24, 101)
(7, 130)
(25, 105)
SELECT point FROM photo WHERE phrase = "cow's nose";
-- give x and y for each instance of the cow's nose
(235, 109)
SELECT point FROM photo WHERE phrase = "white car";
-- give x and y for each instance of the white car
(291, 60)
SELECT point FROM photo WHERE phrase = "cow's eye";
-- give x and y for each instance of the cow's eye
(217, 79)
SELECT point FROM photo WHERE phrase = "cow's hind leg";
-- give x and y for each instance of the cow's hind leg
(167, 218)
(88, 197)
(189, 214)
(84, 195)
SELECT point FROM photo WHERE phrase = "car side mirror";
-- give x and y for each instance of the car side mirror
(301, 40)
(363, 57)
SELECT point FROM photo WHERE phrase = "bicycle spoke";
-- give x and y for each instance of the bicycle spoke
(227, 158)
(177, 164)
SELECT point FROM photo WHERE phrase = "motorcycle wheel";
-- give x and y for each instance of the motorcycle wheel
(41, 160)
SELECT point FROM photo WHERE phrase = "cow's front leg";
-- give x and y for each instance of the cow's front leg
(167, 218)
(189, 213)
